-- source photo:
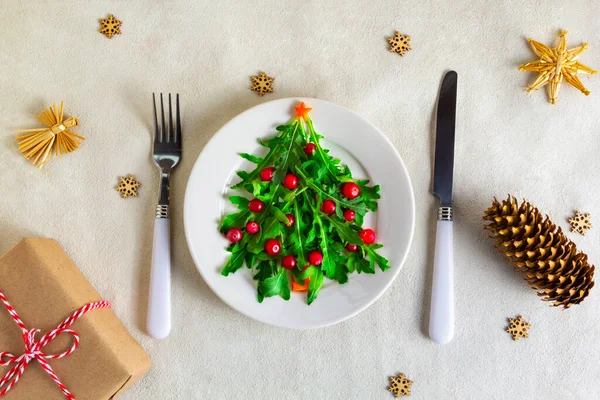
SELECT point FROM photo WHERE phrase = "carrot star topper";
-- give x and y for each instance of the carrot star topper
(39, 143)
(555, 65)
(302, 111)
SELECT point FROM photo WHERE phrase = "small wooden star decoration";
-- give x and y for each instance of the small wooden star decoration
(262, 83)
(400, 386)
(580, 223)
(555, 65)
(399, 43)
(518, 327)
(110, 26)
(128, 186)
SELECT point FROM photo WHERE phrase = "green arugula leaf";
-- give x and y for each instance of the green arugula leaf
(363, 265)
(251, 158)
(243, 174)
(352, 262)
(250, 259)
(369, 194)
(240, 201)
(330, 163)
(271, 228)
(275, 285)
(265, 270)
(343, 229)
(235, 262)
(327, 265)
(234, 220)
(354, 204)
(312, 235)
(381, 261)
(315, 284)
(296, 238)
(277, 146)
(280, 215)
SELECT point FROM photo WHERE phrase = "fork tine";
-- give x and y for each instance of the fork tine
(178, 137)
(156, 132)
(171, 137)
(162, 114)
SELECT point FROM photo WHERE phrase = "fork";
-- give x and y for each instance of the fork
(166, 155)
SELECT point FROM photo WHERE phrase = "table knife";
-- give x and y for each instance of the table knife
(441, 323)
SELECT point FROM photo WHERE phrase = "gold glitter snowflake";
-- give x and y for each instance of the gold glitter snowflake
(518, 328)
(128, 186)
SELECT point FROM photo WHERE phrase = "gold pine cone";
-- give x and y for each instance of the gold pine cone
(539, 250)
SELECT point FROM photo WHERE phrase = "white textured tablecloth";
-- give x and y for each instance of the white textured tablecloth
(507, 142)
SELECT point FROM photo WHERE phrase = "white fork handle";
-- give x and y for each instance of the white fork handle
(441, 323)
(158, 323)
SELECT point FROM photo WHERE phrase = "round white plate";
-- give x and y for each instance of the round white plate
(358, 143)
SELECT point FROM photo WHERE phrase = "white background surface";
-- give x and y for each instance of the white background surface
(507, 141)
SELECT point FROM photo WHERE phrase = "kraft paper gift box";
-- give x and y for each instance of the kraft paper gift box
(45, 287)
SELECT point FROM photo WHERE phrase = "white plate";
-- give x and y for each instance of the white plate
(358, 143)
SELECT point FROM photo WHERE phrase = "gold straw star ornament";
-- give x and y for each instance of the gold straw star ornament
(555, 65)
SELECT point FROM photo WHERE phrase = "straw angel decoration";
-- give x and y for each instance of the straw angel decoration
(39, 143)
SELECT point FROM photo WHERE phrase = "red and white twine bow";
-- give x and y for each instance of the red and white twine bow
(33, 348)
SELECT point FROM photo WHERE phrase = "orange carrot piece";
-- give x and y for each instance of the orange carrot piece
(296, 287)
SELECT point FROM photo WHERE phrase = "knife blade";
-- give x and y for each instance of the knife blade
(443, 169)
(441, 323)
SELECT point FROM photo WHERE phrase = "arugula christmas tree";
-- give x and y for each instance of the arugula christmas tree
(305, 218)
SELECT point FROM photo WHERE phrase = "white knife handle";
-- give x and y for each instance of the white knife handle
(441, 323)
(158, 323)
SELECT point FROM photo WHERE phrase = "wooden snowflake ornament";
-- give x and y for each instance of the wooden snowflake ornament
(399, 43)
(128, 186)
(518, 328)
(555, 65)
(580, 223)
(262, 83)
(110, 26)
(39, 143)
(400, 386)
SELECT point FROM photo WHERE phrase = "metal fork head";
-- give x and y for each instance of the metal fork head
(167, 138)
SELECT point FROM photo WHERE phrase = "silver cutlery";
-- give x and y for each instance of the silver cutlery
(441, 323)
(166, 155)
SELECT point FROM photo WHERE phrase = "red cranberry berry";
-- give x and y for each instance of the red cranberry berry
(234, 235)
(291, 220)
(367, 236)
(351, 247)
(351, 190)
(328, 207)
(315, 258)
(252, 227)
(310, 149)
(266, 174)
(272, 247)
(288, 262)
(349, 215)
(290, 181)
(256, 205)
